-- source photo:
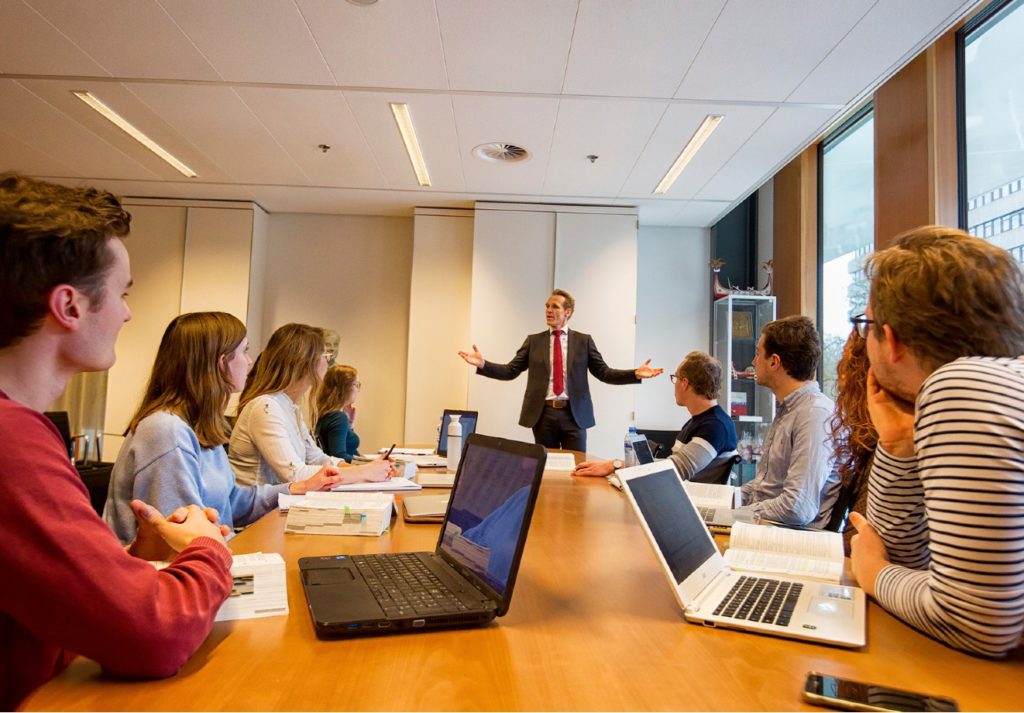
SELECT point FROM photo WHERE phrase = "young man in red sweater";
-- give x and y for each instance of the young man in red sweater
(69, 586)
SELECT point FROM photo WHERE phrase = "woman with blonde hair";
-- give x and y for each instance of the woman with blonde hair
(174, 453)
(335, 412)
(271, 442)
(854, 437)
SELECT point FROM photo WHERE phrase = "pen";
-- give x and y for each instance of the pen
(388, 454)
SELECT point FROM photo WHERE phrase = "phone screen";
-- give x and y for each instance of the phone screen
(838, 691)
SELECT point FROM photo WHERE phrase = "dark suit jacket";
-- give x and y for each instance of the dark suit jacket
(535, 356)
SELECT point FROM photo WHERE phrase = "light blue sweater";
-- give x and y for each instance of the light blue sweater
(163, 464)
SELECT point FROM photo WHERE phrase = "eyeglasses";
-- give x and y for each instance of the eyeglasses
(675, 378)
(328, 355)
(860, 322)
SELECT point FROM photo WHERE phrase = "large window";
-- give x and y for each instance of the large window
(847, 234)
(991, 54)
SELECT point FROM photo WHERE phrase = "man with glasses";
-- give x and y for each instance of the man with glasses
(709, 432)
(945, 330)
(796, 483)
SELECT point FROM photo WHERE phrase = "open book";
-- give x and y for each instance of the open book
(710, 495)
(811, 554)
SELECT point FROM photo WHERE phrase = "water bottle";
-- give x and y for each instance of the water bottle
(629, 456)
(454, 444)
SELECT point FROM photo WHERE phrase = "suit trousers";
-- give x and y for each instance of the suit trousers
(558, 429)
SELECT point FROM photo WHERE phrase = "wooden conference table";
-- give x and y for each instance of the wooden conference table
(592, 626)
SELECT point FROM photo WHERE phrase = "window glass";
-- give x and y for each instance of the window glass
(993, 126)
(848, 235)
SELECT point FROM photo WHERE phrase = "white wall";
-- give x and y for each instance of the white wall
(673, 314)
(351, 274)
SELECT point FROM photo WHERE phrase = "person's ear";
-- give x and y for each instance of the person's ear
(896, 349)
(568, 312)
(66, 305)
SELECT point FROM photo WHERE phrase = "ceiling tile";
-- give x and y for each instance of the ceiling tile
(891, 32)
(528, 122)
(302, 119)
(762, 50)
(252, 40)
(517, 46)
(130, 38)
(21, 157)
(647, 61)
(676, 128)
(435, 130)
(701, 214)
(21, 51)
(615, 130)
(784, 134)
(389, 44)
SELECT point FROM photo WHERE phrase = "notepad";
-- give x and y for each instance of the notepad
(560, 461)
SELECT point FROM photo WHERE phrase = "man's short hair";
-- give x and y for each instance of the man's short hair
(703, 372)
(946, 294)
(51, 235)
(570, 303)
(797, 344)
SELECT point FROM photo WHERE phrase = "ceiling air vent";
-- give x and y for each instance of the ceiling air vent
(497, 151)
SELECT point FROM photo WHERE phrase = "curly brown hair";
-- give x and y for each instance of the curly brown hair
(52, 235)
(853, 435)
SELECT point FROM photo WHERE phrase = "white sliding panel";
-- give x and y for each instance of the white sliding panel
(513, 270)
(595, 260)
(218, 248)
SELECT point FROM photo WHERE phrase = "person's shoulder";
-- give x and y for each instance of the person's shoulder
(332, 420)
(984, 375)
(165, 431)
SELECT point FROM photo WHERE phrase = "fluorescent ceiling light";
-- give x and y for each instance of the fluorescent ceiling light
(122, 123)
(710, 123)
(412, 146)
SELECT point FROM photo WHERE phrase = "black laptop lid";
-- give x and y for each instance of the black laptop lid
(489, 512)
(468, 421)
(642, 449)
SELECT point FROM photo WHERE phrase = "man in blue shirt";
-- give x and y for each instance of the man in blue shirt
(796, 483)
(708, 434)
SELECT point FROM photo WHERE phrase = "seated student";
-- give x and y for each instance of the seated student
(795, 482)
(270, 442)
(709, 432)
(945, 331)
(336, 412)
(853, 436)
(69, 587)
(174, 454)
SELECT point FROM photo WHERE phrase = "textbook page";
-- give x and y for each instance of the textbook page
(710, 495)
(778, 550)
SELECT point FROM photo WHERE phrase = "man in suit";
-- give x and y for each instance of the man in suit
(557, 403)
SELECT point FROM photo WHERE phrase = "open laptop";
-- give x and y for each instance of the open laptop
(442, 478)
(466, 581)
(642, 451)
(712, 594)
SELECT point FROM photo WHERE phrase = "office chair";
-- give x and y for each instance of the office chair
(718, 470)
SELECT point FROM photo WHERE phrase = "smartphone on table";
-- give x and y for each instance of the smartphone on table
(834, 692)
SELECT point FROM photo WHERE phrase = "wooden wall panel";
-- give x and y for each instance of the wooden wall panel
(795, 231)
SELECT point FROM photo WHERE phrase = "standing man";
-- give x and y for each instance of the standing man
(69, 586)
(941, 546)
(795, 483)
(557, 403)
(708, 434)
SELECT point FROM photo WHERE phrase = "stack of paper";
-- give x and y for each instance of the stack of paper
(258, 590)
(342, 513)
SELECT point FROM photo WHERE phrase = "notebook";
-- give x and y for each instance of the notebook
(716, 504)
(712, 594)
(466, 581)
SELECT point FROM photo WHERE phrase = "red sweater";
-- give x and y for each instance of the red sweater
(69, 586)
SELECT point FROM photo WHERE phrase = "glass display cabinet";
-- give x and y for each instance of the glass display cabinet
(737, 324)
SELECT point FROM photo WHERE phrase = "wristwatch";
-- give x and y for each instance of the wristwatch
(616, 464)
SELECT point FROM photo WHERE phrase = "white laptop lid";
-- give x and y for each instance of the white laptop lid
(683, 545)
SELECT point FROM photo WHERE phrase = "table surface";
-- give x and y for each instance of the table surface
(593, 626)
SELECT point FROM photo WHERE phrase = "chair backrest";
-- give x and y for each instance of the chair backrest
(718, 470)
(848, 493)
(63, 423)
(661, 441)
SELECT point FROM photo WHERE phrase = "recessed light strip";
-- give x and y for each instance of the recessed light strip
(412, 146)
(122, 123)
(710, 123)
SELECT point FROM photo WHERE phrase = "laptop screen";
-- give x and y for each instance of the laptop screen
(642, 449)
(487, 515)
(468, 421)
(677, 528)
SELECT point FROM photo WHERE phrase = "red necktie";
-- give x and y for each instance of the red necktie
(559, 382)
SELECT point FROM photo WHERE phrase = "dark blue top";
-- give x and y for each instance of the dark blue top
(714, 426)
(337, 437)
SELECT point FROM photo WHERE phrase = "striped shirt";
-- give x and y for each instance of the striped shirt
(952, 516)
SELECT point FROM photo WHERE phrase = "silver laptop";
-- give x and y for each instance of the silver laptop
(712, 594)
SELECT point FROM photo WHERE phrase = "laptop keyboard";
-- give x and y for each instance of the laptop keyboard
(768, 601)
(404, 586)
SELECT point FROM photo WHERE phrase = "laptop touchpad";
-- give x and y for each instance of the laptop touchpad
(328, 576)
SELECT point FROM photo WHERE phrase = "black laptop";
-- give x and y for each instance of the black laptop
(467, 419)
(466, 581)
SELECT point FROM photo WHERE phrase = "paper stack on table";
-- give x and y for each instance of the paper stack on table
(343, 513)
(258, 589)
